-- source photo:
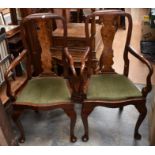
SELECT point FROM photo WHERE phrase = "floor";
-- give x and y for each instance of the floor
(107, 126)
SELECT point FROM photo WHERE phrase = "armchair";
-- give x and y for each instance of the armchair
(42, 91)
(108, 88)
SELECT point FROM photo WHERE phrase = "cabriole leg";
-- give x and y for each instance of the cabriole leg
(72, 115)
(86, 110)
(143, 111)
(15, 116)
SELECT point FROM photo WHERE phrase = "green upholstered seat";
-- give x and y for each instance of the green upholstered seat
(44, 90)
(111, 87)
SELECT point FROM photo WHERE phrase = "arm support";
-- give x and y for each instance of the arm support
(148, 86)
(70, 59)
(84, 59)
(10, 68)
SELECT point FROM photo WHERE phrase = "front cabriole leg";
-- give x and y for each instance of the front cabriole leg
(86, 110)
(143, 111)
(72, 115)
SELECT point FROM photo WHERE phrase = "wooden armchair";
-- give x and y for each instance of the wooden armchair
(108, 88)
(42, 91)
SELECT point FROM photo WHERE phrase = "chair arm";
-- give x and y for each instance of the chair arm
(10, 68)
(83, 60)
(148, 87)
(70, 59)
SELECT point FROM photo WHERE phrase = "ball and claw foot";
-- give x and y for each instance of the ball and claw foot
(73, 139)
(21, 139)
(137, 136)
(85, 138)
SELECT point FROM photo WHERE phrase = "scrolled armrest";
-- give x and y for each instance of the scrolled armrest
(10, 68)
(83, 60)
(70, 59)
(148, 86)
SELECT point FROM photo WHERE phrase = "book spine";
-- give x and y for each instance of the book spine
(3, 54)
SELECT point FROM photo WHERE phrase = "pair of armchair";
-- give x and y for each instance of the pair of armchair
(104, 88)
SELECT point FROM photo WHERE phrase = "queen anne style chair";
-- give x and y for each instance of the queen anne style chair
(42, 91)
(108, 88)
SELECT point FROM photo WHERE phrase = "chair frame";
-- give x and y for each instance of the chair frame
(105, 67)
(17, 108)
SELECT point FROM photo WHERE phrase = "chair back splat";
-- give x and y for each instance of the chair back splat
(31, 25)
(108, 20)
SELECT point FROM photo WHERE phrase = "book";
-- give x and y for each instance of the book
(4, 60)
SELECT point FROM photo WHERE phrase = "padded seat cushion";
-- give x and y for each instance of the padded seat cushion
(44, 90)
(111, 87)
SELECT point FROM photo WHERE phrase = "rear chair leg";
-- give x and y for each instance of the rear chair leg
(86, 110)
(15, 117)
(72, 115)
(121, 109)
(143, 111)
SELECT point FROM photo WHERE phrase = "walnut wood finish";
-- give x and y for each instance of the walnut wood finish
(28, 23)
(33, 41)
(105, 67)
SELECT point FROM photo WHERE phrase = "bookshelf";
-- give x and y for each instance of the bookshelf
(5, 57)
